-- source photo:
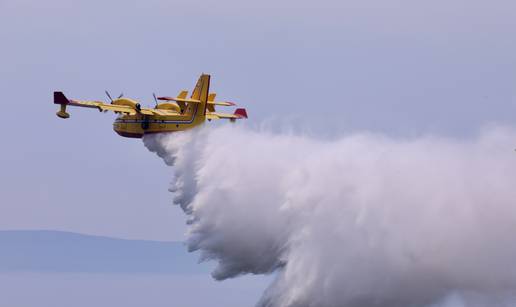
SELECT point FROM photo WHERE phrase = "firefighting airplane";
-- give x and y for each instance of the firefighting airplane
(175, 114)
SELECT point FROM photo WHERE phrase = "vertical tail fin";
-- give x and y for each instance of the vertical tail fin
(201, 93)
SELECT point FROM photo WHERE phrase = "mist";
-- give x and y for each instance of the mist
(362, 220)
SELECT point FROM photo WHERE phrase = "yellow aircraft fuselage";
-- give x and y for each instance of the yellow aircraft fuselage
(135, 126)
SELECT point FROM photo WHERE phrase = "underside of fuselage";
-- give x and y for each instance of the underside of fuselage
(129, 134)
(135, 130)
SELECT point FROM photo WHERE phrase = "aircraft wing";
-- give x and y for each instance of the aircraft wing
(109, 107)
(60, 98)
(118, 108)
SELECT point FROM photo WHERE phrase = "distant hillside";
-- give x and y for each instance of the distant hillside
(55, 251)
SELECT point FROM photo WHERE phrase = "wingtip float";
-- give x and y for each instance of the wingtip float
(175, 114)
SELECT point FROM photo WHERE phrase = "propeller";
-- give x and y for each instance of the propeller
(109, 96)
(111, 99)
(155, 99)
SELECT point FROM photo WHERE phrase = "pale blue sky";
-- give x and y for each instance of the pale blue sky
(322, 67)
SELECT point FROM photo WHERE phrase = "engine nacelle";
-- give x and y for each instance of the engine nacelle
(169, 106)
(126, 102)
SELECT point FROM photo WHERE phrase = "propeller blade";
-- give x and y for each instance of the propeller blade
(155, 99)
(109, 96)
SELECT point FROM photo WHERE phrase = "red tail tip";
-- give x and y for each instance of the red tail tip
(241, 113)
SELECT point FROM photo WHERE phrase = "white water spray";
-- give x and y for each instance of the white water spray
(365, 220)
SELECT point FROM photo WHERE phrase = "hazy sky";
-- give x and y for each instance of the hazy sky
(325, 67)
(85, 290)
